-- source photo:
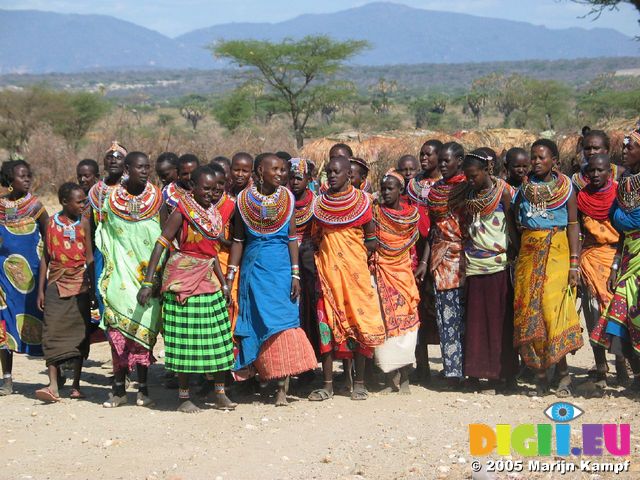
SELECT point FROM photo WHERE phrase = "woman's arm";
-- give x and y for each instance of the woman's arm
(236, 247)
(512, 230)
(573, 232)
(370, 239)
(42, 277)
(293, 256)
(169, 232)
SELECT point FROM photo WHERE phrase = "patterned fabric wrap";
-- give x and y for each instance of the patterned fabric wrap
(622, 317)
(67, 258)
(126, 353)
(350, 299)
(486, 247)
(450, 319)
(547, 326)
(20, 252)
(127, 246)
(197, 334)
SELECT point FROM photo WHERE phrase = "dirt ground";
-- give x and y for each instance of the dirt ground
(421, 436)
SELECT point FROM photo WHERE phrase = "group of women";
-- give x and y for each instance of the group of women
(249, 267)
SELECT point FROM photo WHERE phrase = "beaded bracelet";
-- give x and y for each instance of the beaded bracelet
(146, 284)
(233, 268)
(297, 277)
(368, 239)
(164, 243)
(293, 239)
(239, 240)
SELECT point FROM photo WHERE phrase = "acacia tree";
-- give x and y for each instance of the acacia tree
(300, 73)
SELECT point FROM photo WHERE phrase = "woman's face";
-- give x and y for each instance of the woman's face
(631, 156)
(598, 171)
(114, 164)
(338, 173)
(357, 175)
(390, 190)
(271, 171)
(298, 183)
(22, 180)
(519, 168)
(428, 158)
(542, 161)
(139, 170)
(204, 189)
(449, 164)
(477, 177)
(408, 168)
(220, 183)
(593, 144)
(87, 177)
(75, 204)
(240, 172)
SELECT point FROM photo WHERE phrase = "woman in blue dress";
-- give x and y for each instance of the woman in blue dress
(23, 220)
(268, 327)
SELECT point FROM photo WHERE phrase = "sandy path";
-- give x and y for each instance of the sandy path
(388, 437)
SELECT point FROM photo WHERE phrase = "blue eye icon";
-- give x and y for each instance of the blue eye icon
(562, 412)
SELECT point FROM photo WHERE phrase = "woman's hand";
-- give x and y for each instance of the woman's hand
(40, 301)
(420, 272)
(144, 294)
(573, 278)
(611, 281)
(295, 289)
(226, 293)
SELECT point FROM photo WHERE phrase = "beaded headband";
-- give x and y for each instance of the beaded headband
(479, 157)
(393, 173)
(116, 150)
(633, 136)
(301, 167)
(360, 161)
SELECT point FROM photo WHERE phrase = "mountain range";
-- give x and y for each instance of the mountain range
(44, 42)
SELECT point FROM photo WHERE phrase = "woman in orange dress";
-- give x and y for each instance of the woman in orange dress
(397, 231)
(348, 312)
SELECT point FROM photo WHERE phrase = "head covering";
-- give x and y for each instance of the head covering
(633, 136)
(360, 161)
(116, 150)
(394, 173)
(301, 167)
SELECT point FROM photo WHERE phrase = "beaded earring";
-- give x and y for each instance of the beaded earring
(10, 188)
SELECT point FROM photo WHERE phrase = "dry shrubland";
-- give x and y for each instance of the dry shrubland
(54, 160)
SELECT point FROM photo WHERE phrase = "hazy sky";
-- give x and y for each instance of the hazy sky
(179, 16)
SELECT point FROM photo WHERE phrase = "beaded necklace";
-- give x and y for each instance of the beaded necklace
(447, 195)
(265, 214)
(629, 192)
(208, 222)
(418, 189)
(366, 186)
(481, 204)
(14, 211)
(68, 229)
(304, 208)
(134, 208)
(342, 208)
(397, 230)
(544, 196)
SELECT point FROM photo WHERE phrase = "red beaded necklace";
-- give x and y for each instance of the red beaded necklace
(134, 208)
(265, 214)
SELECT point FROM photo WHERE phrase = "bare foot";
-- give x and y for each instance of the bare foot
(281, 399)
(6, 388)
(404, 388)
(188, 407)
(222, 402)
(393, 383)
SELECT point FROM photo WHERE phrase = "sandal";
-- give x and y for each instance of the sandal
(115, 401)
(143, 401)
(564, 389)
(359, 392)
(542, 389)
(76, 394)
(47, 396)
(320, 395)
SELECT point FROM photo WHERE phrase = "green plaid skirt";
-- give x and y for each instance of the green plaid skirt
(197, 334)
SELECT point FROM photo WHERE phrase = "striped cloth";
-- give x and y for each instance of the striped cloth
(285, 353)
(197, 334)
